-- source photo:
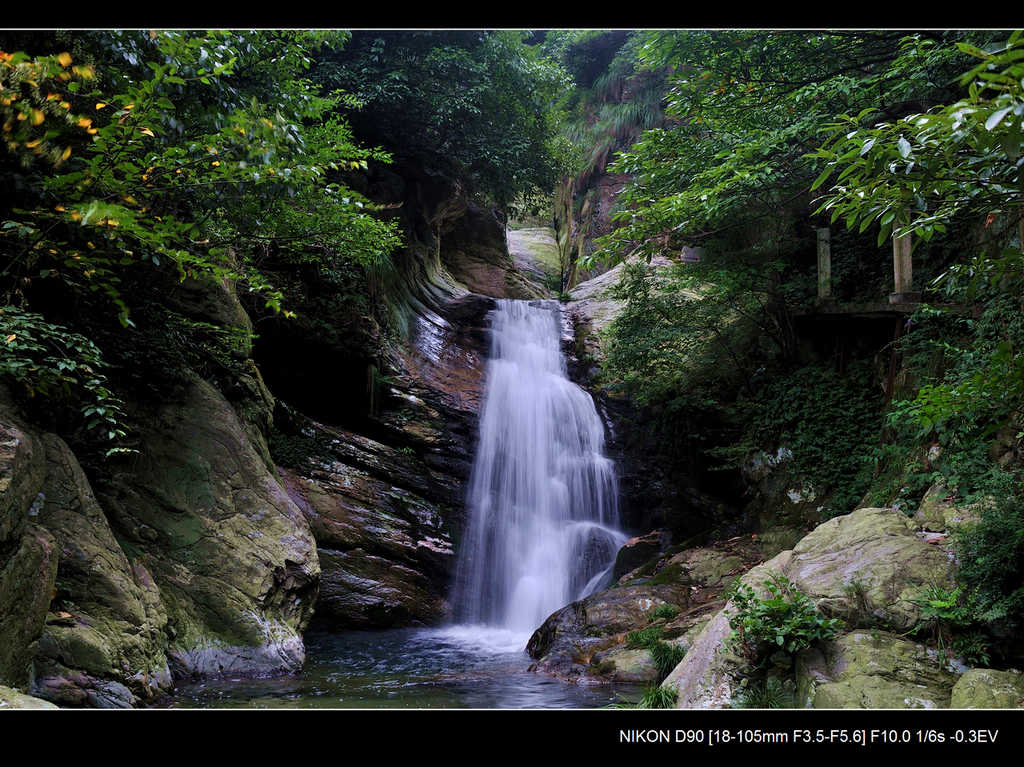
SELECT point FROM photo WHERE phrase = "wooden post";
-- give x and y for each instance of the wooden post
(824, 263)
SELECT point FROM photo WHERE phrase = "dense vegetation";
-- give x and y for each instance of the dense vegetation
(879, 135)
(139, 165)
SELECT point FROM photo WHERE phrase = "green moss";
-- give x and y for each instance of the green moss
(668, 575)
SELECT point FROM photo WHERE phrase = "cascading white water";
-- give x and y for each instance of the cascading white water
(543, 499)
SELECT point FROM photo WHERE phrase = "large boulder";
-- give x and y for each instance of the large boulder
(988, 688)
(103, 644)
(28, 551)
(233, 557)
(869, 567)
(872, 669)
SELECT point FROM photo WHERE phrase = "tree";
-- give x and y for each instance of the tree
(177, 152)
(469, 105)
(747, 108)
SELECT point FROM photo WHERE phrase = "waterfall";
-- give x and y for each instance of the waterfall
(543, 499)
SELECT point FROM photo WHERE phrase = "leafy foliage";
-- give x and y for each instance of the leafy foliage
(917, 174)
(748, 107)
(49, 361)
(991, 555)
(469, 105)
(196, 155)
(663, 612)
(830, 423)
(785, 619)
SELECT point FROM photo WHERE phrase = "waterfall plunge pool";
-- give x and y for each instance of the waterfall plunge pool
(543, 532)
(452, 667)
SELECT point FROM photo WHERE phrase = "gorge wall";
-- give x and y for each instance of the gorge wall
(321, 477)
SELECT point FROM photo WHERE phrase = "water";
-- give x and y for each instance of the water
(543, 532)
(445, 668)
(543, 500)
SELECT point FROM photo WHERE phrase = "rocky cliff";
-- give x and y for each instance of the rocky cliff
(322, 475)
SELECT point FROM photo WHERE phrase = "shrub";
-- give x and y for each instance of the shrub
(991, 556)
(786, 619)
(662, 613)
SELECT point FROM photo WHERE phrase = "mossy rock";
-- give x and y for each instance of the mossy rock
(874, 669)
(11, 698)
(232, 556)
(624, 664)
(937, 513)
(869, 561)
(28, 552)
(988, 688)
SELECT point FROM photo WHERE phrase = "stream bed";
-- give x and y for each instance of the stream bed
(452, 667)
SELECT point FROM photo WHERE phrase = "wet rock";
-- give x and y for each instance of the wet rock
(567, 643)
(636, 551)
(386, 554)
(363, 591)
(474, 250)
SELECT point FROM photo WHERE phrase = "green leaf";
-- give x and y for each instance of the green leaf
(997, 117)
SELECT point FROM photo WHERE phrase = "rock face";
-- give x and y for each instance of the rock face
(867, 567)
(233, 557)
(386, 509)
(475, 251)
(586, 642)
(27, 550)
(84, 626)
(104, 643)
(385, 550)
(872, 670)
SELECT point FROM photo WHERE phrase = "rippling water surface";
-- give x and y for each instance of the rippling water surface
(454, 667)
